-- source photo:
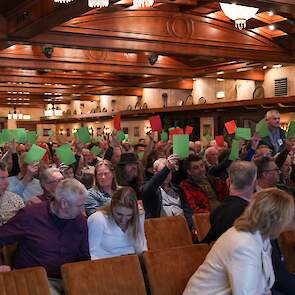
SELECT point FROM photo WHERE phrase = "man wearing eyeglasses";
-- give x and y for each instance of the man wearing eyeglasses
(268, 173)
(49, 180)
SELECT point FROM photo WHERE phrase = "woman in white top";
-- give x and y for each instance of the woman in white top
(240, 263)
(117, 228)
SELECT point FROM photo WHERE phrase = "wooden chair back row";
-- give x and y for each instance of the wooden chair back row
(167, 272)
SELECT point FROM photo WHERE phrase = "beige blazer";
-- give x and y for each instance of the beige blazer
(239, 263)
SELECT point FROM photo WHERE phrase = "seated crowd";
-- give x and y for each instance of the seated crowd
(96, 207)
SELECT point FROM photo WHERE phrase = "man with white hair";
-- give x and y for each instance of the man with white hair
(275, 139)
(50, 233)
(162, 198)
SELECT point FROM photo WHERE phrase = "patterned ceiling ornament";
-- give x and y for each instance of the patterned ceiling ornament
(239, 13)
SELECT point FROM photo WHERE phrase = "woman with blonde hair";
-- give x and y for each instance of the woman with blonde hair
(240, 262)
(117, 228)
(105, 186)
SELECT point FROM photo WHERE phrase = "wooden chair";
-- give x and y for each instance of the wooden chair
(9, 252)
(110, 276)
(167, 232)
(202, 224)
(287, 246)
(169, 270)
(28, 281)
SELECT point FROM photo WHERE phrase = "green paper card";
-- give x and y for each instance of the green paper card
(181, 145)
(120, 135)
(20, 135)
(262, 128)
(65, 155)
(83, 134)
(31, 137)
(132, 141)
(164, 136)
(35, 154)
(6, 135)
(50, 132)
(39, 132)
(2, 143)
(95, 150)
(291, 130)
(235, 150)
(171, 128)
(126, 138)
(140, 155)
(244, 133)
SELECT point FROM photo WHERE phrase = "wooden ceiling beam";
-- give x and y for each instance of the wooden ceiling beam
(71, 40)
(34, 17)
(61, 65)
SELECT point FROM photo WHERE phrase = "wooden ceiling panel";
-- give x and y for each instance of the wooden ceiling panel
(119, 50)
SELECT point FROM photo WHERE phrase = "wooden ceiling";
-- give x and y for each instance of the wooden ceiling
(109, 51)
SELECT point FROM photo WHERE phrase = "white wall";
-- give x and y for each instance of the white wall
(279, 73)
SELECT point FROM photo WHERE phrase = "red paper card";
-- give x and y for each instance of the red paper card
(188, 130)
(117, 122)
(178, 130)
(231, 127)
(156, 124)
(219, 140)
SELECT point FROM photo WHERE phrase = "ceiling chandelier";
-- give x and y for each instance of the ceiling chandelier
(98, 3)
(105, 3)
(143, 3)
(239, 13)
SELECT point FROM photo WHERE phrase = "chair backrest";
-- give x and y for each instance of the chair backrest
(167, 232)
(202, 224)
(287, 246)
(117, 276)
(9, 252)
(28, 281)
(169, 270)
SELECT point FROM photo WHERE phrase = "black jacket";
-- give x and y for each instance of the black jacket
(152, 198)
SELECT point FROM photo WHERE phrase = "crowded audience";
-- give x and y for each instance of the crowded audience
(82, 200)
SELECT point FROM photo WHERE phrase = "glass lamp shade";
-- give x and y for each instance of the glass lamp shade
(20, 116)
(143, 3)
(238, 13)
(9, 116)
(98, 3)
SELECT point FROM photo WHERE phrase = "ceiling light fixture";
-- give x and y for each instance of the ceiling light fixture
(143, 3)
(239, 13)
(98, 3)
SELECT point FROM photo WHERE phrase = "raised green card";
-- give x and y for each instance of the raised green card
(164, 136)
(31, 137)
(35, 154)
(83, 134)
(235, 150)
(291, 130)
(243, 133)
(181, 145)
(96, 151)
(65, 154)
(262, 128)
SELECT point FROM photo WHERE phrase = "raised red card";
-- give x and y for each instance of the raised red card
(188, 130)
(231, 127)
(117, 122)
(219, 140)
(156, 123)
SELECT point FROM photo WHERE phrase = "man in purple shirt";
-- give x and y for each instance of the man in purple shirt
(50, 234)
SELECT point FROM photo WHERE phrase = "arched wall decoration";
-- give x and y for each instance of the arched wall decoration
(180, 26)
